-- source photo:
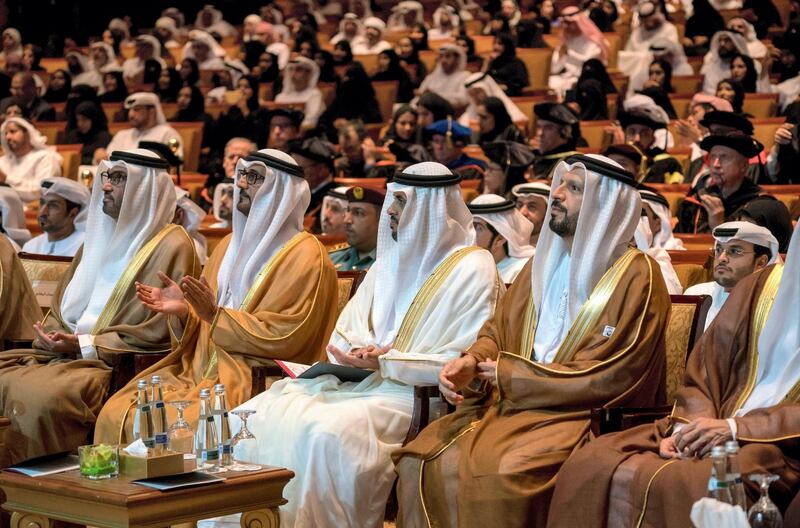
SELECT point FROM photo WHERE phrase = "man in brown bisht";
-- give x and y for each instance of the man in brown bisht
(268, 291)
(18, 306)
(53, 392)
(581, 327)
(742, 382)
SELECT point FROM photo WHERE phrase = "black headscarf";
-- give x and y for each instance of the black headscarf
(591, 97)
(738, 98)
(170, 93)
(603, 20)
(327, 74)
(120, 93)
(344, 46)
(509, 51)
(421, 44)
(94, 112)
(193, 76)
(355, 96)
(529, 34)
(502, 120)
(594, 69)
(252, 103)
(196, 108)
(661, 98)
(751, 77)
(152, 69)
(667, 67)
(470, 42)
(395, 72)
(705, 20)
(59, 95)
(766, 14)
(78, 95)
(273, 72)
(437, 105)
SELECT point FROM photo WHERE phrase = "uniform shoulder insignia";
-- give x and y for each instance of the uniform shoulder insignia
(339, 247)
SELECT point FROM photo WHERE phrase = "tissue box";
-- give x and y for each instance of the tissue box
(161, 465)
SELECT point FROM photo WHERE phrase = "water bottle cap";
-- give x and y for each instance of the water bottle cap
(205, 393)
(141, 384)
(155, 379)
(219, 388)
(732, 446)
(717, 451)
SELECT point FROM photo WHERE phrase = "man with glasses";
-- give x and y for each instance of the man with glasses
(53, 392)
(741, 249)
(268, 292)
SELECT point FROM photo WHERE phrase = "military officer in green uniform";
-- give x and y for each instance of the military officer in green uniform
(361, 226)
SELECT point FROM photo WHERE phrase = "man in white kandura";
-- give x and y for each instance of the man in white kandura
(740, 249)
(501, 228)
(420, 306)
(148, 123)
(63, 210)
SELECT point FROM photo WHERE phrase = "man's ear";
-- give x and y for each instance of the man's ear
(761, 262)
(499, 241)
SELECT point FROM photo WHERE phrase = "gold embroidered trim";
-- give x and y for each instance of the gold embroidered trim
(472, 426)
(647, 492)
(123, 285)
(763, 307)
(423, 297)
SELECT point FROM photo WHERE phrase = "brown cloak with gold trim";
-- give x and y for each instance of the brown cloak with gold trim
(619, 480)
(288, 314)
(52, 400)
(494, 461)
(18, 306)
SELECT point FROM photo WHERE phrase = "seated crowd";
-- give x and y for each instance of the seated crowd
(520, 192)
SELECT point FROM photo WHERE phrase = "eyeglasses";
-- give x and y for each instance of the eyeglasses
(253, 177)
(115, 178)
(734, 252)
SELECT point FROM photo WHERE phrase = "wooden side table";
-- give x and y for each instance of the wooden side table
(119, 503)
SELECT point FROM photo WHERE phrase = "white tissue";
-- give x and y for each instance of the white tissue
(137, 448)
(710, 513)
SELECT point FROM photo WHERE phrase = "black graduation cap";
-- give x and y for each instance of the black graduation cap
(556, 113)
(744, 145)
(509, 154)
(728, 119)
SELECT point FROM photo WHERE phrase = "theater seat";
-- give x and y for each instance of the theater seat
(684, 327)
(44, 272)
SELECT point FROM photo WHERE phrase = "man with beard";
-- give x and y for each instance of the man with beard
(740, 249)
(741, 383)
(147, 124)
(63, 209)
(53, 392)
(531, 200)
(26, 160)
(24, 91)
(361, 225)
(556, 137)
(717, 62)
(581, 327)
(267, 292)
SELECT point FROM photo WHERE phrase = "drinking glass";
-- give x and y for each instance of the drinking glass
(98, 461)
(764, 513)
(181, 436)
(242, 443)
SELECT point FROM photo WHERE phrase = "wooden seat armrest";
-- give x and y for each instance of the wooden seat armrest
(259, 375)
(12, 344)
(421, 415)
(128, 365)
(612, 419)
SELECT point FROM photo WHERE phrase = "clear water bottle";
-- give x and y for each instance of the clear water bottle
(159, 415)
(717, 481)
(143, 420)
(734, 476)
(205, 441)
(223, 425)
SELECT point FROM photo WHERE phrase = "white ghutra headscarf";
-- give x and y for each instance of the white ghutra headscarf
(435, 222)
(779, 343)
(608, 217)
(12, 211)
(148, 206)
(664, 239)
(276, 215)
(503, 216)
